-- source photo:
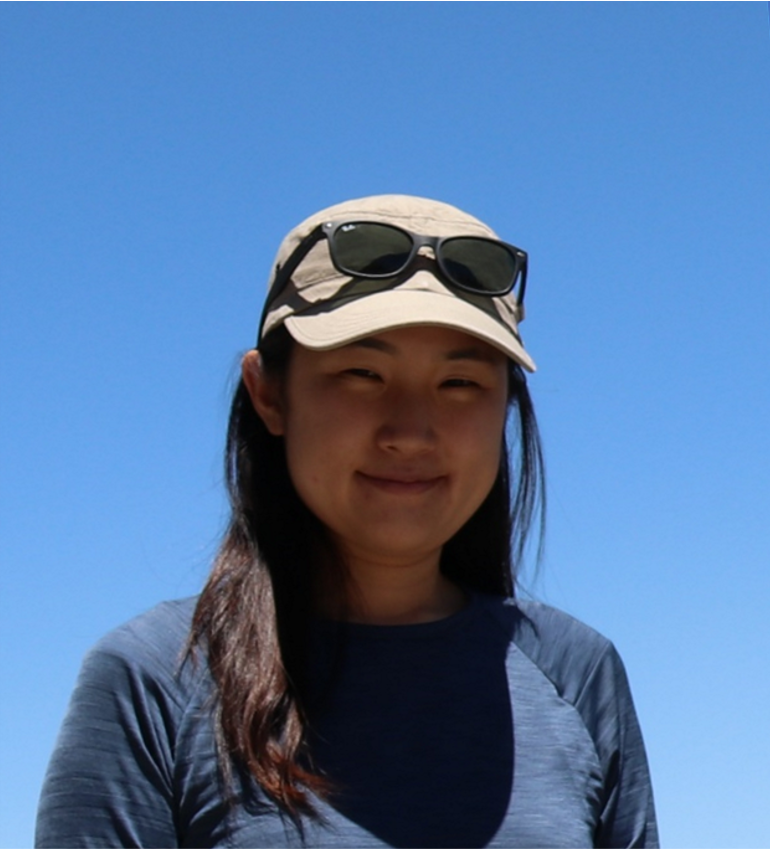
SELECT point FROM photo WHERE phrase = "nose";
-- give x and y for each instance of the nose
(408, 425)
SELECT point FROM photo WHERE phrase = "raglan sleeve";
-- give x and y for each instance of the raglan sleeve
(110, 779)
(627, 817)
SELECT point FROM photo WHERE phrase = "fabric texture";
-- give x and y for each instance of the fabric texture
(508, 724)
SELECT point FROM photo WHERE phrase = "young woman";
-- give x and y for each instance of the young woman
(357, 670)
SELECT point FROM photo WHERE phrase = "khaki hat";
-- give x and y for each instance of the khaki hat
(323, 308)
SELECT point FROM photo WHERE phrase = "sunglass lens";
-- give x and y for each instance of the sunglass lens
(370, 249)
(479, 265)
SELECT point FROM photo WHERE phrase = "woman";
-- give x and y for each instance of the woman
(356, 671)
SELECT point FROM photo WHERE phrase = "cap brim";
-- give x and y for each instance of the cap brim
(394, 308)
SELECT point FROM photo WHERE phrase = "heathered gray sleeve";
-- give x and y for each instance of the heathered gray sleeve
(110, 779)
(628, 815)
(588, 673)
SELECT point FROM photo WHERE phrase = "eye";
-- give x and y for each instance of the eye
(363, 373)
(460, 383)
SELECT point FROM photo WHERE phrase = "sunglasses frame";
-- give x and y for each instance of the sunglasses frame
(329, 229)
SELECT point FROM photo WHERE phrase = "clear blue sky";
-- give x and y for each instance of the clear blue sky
(154, 154)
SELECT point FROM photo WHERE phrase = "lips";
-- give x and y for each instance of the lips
(401, 484)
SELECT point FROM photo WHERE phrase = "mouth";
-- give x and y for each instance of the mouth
(402, 484)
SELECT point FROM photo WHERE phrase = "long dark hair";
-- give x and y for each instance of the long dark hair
(253, 615)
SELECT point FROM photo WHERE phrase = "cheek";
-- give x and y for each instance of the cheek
(316, 452)
(488, 467)
(303, 455)
(487, 439)
(308, 476)
(486, 430)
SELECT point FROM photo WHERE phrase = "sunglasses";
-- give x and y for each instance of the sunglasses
(371, 250)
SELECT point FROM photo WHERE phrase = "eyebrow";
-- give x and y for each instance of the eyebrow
(376, 344)
(472, 352)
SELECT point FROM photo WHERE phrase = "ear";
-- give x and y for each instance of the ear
(265, 392)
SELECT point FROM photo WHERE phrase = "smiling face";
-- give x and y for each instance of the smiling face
(393, 441)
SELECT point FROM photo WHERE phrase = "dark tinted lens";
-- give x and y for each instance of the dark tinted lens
(371, 250)
(479, 265)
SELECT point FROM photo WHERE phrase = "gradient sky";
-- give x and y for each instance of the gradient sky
(153, 155)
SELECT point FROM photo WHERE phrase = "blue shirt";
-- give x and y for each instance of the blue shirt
(507, 724)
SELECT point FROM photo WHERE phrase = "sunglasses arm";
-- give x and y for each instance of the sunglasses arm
(520, 295)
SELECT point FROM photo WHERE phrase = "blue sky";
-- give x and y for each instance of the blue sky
(153, 155)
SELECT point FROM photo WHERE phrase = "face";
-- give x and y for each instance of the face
(393, 441)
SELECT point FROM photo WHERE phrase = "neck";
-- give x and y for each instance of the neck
(390, 594)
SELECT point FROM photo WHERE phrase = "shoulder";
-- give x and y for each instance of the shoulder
(149, 650)
(162, 628)
(112, 778)
(586, 672)
(571, 654)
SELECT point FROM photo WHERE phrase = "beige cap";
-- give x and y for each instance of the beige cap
(323, 308)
